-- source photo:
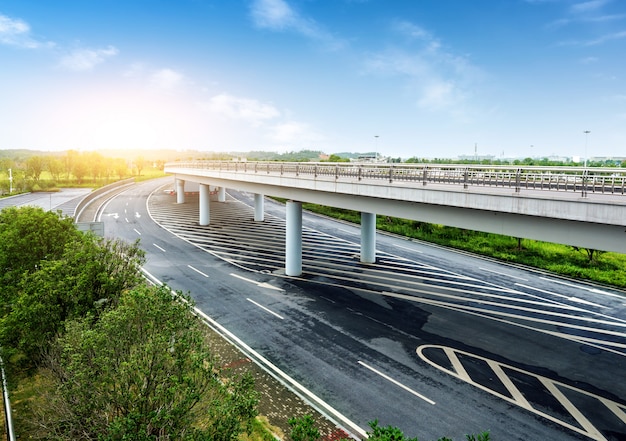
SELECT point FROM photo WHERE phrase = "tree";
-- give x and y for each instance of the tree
(91, 272)
(28, 236)
(55, 167)
(34, 167)
(80, 168)
(303, 429)
(121, 168)
(69, 160)
(140, 162)
(142, 371)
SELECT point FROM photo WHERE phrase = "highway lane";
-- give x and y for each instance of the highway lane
(65, 200)
(431, 341)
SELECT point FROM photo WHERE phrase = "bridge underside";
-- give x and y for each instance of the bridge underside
(570, 232)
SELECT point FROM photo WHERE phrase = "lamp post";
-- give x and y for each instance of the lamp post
(586, 132)
(10, 182)
(376, 146)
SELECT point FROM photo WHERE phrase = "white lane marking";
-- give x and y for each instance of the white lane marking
(555, 388)
(573, 410)
(502, 274)
(264, 308)
(136, 231)
(346, 231)
(198, 271)
(259, 284)
(275, 372)
(573, 299)
(518, 397)
(586, 288)
(585, 302)
(408, 249)
(456, 364)
(126, 219)
(397, 383)
(158, 247)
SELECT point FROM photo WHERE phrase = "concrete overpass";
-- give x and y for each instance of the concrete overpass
(575, 206)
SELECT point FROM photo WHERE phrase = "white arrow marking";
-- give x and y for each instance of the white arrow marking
(137, 215)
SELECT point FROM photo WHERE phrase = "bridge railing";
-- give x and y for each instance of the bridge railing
(567, 179)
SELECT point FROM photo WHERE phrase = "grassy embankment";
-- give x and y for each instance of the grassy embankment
(605, 267)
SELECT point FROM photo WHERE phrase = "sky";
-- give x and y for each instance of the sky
(405, 78)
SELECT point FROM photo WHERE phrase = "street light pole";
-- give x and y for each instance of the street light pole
(586, 132)
(376, 146)
(10, 182)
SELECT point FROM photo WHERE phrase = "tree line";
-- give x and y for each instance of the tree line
(37, 172)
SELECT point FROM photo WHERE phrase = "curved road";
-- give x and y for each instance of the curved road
(430, 340)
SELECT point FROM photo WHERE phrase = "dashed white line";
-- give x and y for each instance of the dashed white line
(198, 271)
(259, 284)
(137, 231)
(158, 247)
(408, 249)
(586, 288)
(397, 383)
(502, 274)
(266, 309)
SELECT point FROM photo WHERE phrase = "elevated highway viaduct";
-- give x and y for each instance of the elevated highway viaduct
(585, 208)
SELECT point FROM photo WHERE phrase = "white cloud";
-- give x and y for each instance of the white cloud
(584, 7)
(294, 133)
(439, 95)
(246, 109)
(166, 79)
(605, 38)
(278, 15)
(87, 59)
(273, 14)
(441, 79)
(16, 32)
(589, 60)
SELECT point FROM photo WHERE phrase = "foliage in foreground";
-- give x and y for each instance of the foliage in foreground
(142, 371)
(119, 360)
(55, 273)
(303, 429)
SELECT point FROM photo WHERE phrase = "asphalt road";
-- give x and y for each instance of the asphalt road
(429, 340)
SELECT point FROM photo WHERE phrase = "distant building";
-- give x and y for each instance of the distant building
(371, 157)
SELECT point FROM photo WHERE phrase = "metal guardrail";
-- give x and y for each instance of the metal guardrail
(572, 179)
(100, 191)
(8, 418)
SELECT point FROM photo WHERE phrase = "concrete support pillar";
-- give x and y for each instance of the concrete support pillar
(205, 204)
(259, 210)
(293, 239)
(368, 237)
(180, 191)
(221, 194)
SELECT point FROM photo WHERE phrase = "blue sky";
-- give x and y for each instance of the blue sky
(425, 78)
